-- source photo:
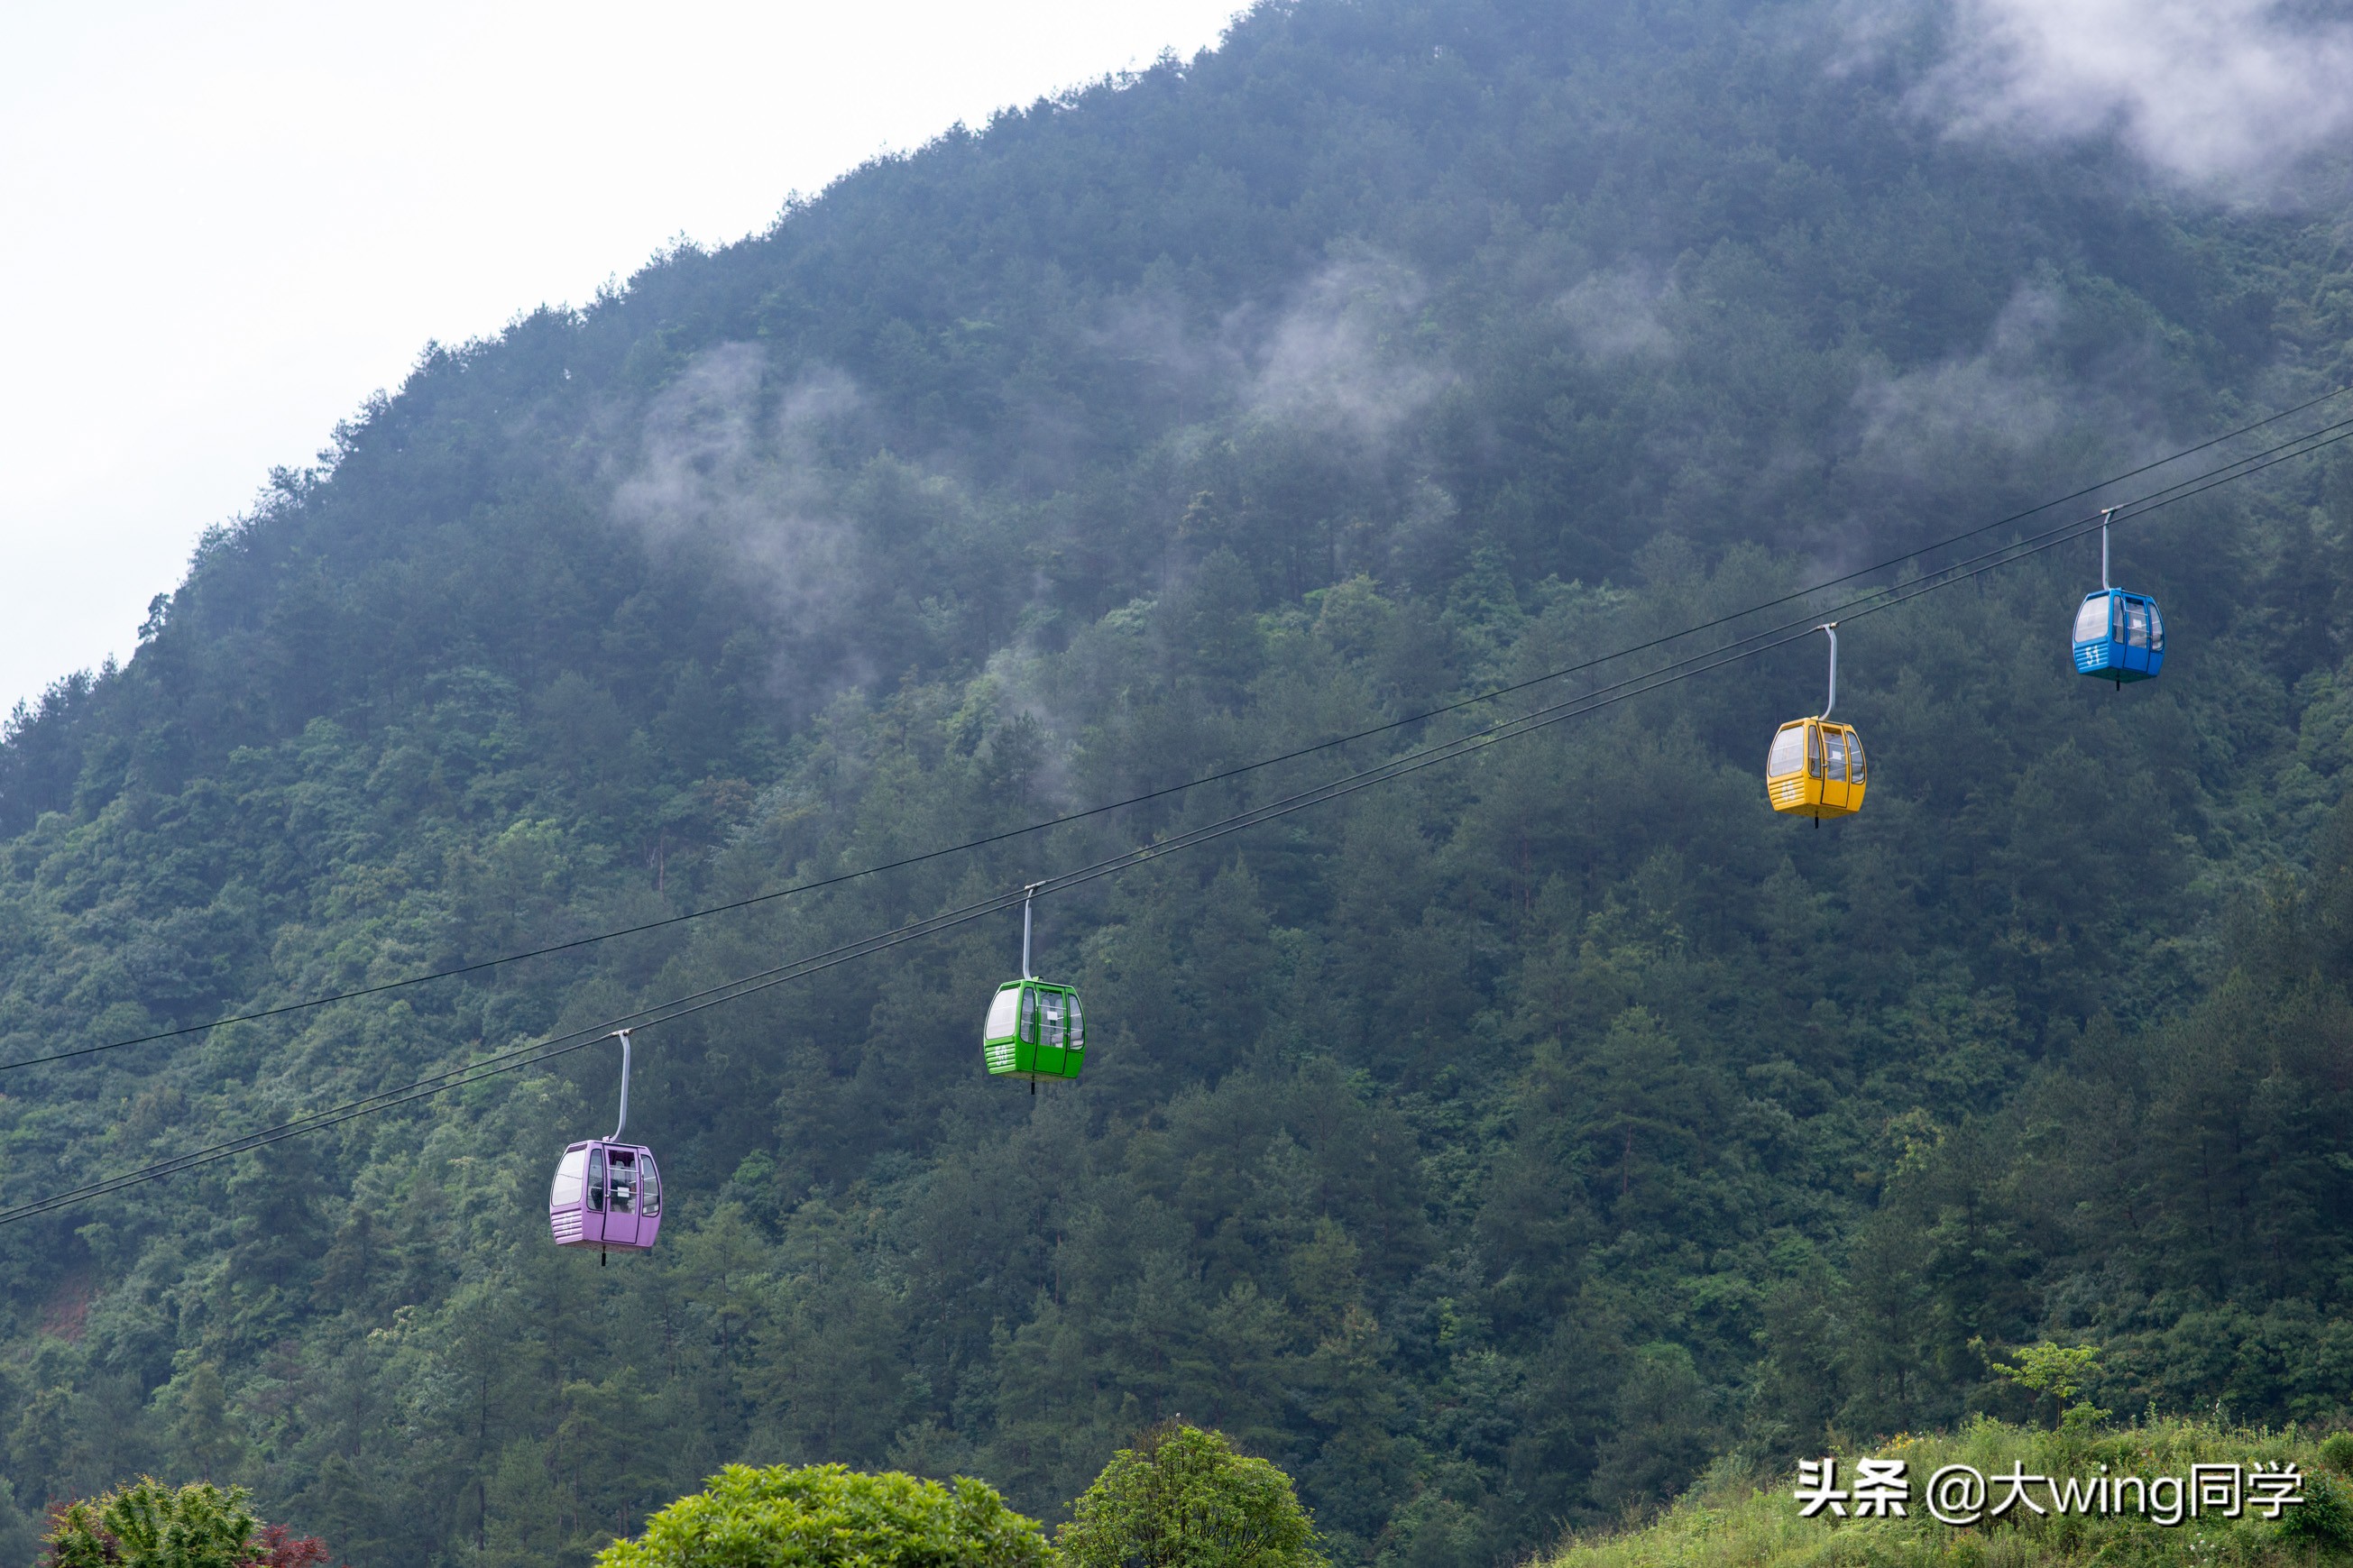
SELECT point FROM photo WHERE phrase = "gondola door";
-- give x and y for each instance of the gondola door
(592, 1223)
(622, 1194)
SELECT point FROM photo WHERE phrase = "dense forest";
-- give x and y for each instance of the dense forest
(1490, 1149)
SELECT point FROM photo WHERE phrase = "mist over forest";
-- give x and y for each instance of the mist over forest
(1492, 1149)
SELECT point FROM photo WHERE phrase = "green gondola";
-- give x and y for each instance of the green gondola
(1036, 1029)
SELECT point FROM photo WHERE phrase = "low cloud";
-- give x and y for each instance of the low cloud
(2241, 100)
(1337, 357)
(1336, 353)
(727, 464)
(1614, 315)
(2019, 417)
(1998, 396)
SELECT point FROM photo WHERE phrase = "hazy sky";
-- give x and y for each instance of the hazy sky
(226, 225)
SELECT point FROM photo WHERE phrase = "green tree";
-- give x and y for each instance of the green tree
(207, 1442)
(17, 1541)
(150, 1525)
(2055, 1369)
(826, 1514)
(1182, 1499)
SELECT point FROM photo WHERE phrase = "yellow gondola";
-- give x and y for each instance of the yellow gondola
(1816, 768)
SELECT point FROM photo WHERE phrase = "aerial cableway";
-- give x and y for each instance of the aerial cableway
(2239, 468)
(1043, 1036)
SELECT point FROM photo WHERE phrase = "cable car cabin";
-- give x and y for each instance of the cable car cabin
(2119, 636)
(1035, 1031)
(1815, 769)
(606, 1195)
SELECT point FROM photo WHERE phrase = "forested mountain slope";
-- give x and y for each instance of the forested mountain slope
(1492, 1148)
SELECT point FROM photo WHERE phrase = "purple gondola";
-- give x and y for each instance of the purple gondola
(607, 1193)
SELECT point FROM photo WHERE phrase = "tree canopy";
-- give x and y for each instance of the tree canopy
(146, 1524)
(827, 1516)
(1182, 1499)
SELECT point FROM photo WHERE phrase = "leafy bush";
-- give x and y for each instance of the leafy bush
(830, 1514)
(150, 1525)
(2325, 1518)
(1182, 1499)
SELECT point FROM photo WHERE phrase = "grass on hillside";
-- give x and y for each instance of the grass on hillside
(1738, 1519)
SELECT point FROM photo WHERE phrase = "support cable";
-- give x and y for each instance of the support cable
(1673, 672)
(1489, 695)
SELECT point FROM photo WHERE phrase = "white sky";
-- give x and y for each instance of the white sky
(223, 226)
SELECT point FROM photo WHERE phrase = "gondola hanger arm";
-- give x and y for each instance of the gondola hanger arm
(622, 1036)
(1029, 892)
(1830, 630)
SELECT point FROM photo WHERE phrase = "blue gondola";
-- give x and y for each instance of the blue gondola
(2119, 636)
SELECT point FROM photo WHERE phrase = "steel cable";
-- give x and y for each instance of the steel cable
(1489, 695)
(1658, 679)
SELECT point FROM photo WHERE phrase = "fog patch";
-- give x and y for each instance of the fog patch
(1015, 676)
(1336, 355)
(2240, 100)
(726, 466)
(1998, 396)
(1339, 359)
(1195, 359)
(1984, 432)
(1615, 316)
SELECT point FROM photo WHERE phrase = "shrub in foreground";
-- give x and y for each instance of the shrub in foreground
(820, 1516)
(1182, 1499)
(150, 1525)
